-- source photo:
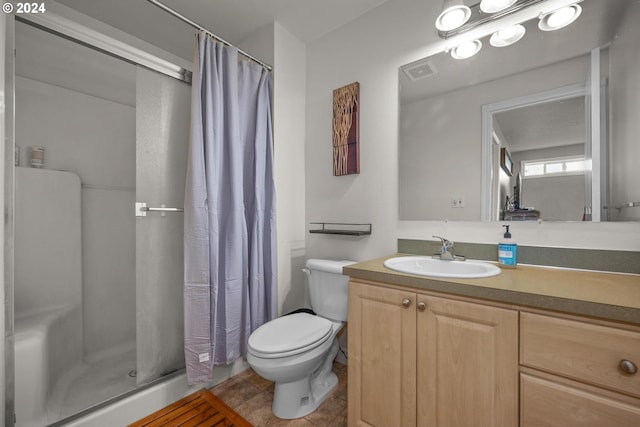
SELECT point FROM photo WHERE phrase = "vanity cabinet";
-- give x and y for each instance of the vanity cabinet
(422, 360)
(551, 348)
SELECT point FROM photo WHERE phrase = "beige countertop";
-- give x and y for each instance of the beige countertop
(610, 296)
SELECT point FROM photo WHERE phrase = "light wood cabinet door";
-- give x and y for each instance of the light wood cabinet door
(555, 402)
(467, 364)
(382, 357)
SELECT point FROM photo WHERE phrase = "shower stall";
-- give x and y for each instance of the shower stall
(97, 285)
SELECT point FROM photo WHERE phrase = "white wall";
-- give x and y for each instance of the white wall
(48, 243)
(274, 45)
(370, 50)
(261, 44)
(367, 50)
(289, 150)
(94, 138)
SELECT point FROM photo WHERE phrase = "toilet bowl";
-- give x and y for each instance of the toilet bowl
(296, 351)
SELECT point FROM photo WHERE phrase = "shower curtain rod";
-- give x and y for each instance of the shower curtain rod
(200, 27)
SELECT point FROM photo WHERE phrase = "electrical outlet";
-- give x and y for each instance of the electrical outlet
(457, 202)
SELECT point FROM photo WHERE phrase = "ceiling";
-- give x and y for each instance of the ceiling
(232, 20)
(546, 125)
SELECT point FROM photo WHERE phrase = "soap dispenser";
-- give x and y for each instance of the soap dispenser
(507, 251)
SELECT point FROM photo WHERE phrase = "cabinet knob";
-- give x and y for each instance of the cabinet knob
(422, 306)
(628, 367)
(406, 302)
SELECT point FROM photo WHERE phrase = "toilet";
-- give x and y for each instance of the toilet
(296, 351)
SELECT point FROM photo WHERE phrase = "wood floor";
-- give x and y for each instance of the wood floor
(251, 397)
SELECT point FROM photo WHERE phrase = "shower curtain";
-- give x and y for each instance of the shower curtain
(229, 210)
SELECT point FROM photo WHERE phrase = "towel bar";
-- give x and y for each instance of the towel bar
(142, 209)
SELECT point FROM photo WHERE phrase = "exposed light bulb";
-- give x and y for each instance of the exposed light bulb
(493, 6)
(466, 50)
(507, 33)
(507, 36)
(560, 18)
(454, 14)
(453, 19)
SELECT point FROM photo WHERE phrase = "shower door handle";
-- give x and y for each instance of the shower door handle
(142, 209)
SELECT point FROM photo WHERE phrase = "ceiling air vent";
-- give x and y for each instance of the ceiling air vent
(419, 69)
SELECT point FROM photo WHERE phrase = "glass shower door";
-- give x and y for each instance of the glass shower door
(122, 132)
(162, 138)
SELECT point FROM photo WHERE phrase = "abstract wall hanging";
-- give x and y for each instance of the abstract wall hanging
(346, 130)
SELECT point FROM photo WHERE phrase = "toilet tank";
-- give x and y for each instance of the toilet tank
(328, 288)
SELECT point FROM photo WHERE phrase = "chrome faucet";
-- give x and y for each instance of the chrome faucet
(446, 250)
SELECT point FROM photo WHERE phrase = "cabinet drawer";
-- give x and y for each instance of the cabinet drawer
(587, 352)
(547, 403)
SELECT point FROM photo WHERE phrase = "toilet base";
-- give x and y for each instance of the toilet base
(299, 398)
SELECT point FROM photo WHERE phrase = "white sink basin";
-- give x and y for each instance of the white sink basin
(428, 266)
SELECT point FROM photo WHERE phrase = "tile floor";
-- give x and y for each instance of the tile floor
(251, 396)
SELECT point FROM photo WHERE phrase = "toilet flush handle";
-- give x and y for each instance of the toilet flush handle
(306, 271)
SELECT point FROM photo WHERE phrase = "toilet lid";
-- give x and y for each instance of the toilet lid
(289, 335)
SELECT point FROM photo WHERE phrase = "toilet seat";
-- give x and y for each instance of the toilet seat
(289, 335)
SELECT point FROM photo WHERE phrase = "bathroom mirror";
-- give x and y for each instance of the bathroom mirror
(539, 90)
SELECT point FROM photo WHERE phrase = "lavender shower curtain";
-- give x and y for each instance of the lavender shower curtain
(229, 209)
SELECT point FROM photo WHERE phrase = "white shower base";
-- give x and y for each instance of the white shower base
(93, 382)
(150, 399)
(52, 381)
(46, 346)
(47, 393)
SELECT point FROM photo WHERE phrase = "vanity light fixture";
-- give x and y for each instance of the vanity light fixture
(457, 19)
(493, 6)
(507, 36)
(559, 18)
(454, 15)
(466, 50)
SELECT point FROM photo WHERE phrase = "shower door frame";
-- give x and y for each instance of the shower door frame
(7, 109)
(66, 28)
